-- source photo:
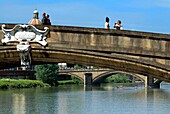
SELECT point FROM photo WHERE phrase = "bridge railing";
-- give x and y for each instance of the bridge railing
(83, 69)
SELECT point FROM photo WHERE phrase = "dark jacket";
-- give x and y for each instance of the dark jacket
(44, 21)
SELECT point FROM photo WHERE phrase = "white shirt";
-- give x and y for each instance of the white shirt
(107, 25)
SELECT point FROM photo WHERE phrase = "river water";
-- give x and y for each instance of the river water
(73, 99)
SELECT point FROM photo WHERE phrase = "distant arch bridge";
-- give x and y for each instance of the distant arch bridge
(98, 74)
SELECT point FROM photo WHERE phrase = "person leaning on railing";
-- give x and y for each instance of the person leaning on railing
(118, 25)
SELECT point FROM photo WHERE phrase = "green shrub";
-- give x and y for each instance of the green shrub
(47, 73)
(12, 83)
(118, 78)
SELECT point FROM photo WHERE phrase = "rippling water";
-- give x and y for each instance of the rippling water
(72, 99)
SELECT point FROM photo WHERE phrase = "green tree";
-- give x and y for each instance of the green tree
(47, 73)
(76, 67)
(118, 78)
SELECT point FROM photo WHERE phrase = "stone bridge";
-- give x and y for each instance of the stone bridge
(142, 53)
(97, 75)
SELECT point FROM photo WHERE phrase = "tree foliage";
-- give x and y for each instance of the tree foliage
(118, 78)
(47, 73)
(76, 67)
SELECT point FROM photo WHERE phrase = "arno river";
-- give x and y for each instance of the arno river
(73, 99)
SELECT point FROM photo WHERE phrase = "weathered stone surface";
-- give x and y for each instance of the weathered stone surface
(130, 51)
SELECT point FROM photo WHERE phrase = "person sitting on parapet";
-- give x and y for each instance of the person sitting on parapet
(118, 25)
(107, 23)
(44, 19)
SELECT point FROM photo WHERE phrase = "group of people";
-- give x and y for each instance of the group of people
(46, 19)
(117, 26)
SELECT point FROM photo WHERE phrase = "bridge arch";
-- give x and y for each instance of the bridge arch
(117, 63)
(73, 74)
(10, 57)
(100, 77)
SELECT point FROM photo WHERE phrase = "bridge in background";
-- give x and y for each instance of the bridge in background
(96, 76)
(143, 53)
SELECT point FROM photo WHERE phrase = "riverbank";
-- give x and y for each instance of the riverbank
(65, 82)
(21, 83)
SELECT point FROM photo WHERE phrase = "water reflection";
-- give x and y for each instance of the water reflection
(80, 100)
(18, 104)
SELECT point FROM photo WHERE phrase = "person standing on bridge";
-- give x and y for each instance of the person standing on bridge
(48, 19)
(118, 25)
(107, 23)
(44, 19)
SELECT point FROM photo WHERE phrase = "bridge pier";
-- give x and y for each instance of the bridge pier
(150, 83)
(157, 84)
(88, 79)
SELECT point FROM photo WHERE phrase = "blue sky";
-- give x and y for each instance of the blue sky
(138, 15)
